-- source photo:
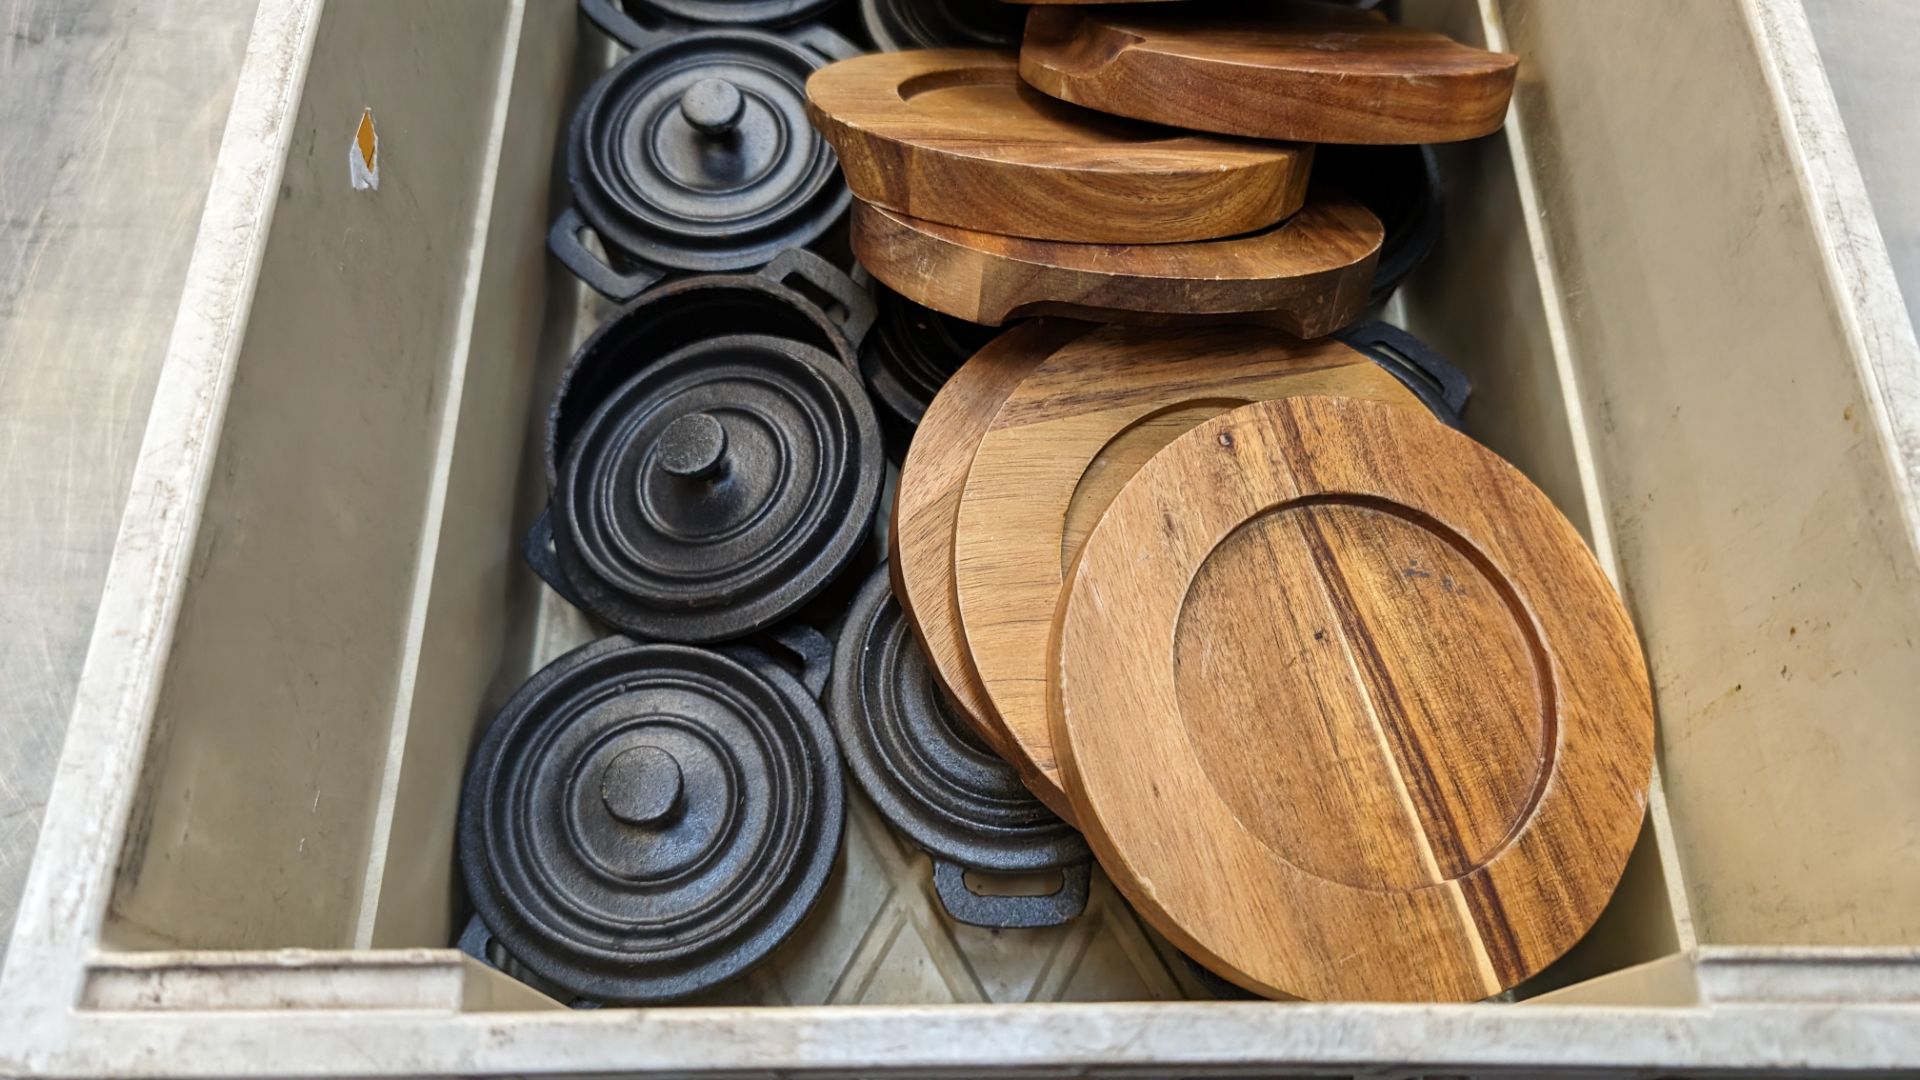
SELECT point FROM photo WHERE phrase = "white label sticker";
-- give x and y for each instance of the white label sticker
(363, 155)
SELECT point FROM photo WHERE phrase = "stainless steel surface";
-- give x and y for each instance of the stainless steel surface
(110, 113)
(1871, 50)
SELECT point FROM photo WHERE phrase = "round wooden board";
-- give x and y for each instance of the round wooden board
(954, 136)
(1056, 452)
(1300, 71)
(926, 504)
(1309, 275)
(1348, 710)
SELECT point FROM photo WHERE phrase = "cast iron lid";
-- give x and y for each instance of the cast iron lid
(1420, 367)
(934, 780)
(642, 822)
(934, 24)
(1402, 186)
(716, 492)
(692, 309)
(911, 354)
(724, 12)
(694, 153)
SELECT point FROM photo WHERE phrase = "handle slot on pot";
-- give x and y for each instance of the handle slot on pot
(1432, 377)
(847, 304)
(1012, 912)
(822, 39)
(537, 548)
(564, 240)
(799, 650)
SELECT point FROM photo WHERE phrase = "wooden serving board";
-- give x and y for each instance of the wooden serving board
(1309, 275)
(954, 136)
(1293, 69)
(1347, 709)
(1048, 461)
(926, 505)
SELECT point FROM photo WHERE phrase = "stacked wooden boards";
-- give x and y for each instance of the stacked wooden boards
(1341, 703)
(1148, 163)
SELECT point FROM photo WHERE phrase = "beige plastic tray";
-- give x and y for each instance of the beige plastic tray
(1663, 277)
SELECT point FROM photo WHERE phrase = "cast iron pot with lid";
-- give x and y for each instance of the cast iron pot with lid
(1420, 367)
(694, 154)
(644, 822)
(715, 493)
(910, 354)
(607, 15)
(933, 24)
(936, 782)
(798, 296)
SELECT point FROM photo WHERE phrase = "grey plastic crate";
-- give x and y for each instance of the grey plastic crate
(1663, 277)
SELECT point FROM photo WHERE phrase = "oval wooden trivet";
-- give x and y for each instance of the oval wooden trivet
(954, 136)
(1057, 451)
(1348, 710)
(926, 503)
(1309, 275)
(1300, 71)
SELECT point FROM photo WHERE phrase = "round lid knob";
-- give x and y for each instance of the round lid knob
(713, 106)
(641, 786)
(693, 447)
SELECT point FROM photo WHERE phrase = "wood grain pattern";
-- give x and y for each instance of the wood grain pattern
(1348, 709)
(1055, 453)
(1290, 70)
(954, 136)
(1308, 276)
(927, 504)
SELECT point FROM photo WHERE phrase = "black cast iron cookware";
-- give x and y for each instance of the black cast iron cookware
(714, 493)
(933, 780)
(643, 822)
(694, 153)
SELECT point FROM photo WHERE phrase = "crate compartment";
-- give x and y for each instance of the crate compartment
(317, 599)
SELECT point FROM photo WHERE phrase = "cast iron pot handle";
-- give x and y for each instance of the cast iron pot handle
(1011, 912)
(822, 39)
(618, 25)
(564, 241)
(474, 941)
(538, 550)
(809, 648)
(1396, 350)
(823, 275)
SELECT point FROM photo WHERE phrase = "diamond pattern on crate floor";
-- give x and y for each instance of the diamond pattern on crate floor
(880, 937)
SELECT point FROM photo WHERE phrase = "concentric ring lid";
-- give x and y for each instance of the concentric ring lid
(643, 822)
(932, 778)
(1347, 708)
(694, 153)
(910, 354)
(719, 490)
